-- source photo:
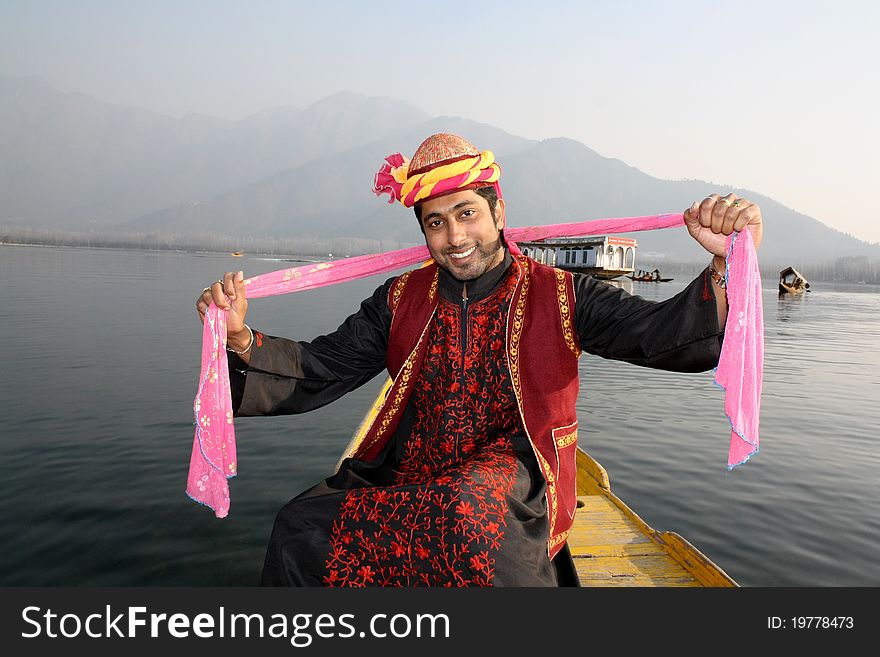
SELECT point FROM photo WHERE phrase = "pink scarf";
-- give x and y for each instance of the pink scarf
(739, 372)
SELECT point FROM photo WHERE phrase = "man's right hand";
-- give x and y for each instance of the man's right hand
(228, 294)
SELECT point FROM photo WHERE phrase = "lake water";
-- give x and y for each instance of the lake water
(100, 356)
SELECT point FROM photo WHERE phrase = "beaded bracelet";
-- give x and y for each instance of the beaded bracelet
(248, 348)
(720, 279)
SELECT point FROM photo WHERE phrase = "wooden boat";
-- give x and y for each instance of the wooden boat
(237, 254)
(611, 545)
(649, 277)
(792, 281)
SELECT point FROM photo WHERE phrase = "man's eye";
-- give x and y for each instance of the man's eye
(434, 224)
(468, 213)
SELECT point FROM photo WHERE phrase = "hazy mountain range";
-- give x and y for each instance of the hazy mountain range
(72, 162)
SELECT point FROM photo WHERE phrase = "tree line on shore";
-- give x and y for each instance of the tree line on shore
(851, 269)
(169, 241)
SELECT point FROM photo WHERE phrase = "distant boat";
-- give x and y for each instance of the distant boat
(792, 281)
(649, 277)
(237, 254)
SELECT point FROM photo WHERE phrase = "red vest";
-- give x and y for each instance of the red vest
(542, 354)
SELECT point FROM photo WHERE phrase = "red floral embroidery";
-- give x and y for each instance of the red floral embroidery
(366, 574)
(445, 518)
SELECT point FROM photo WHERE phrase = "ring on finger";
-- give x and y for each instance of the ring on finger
(735, 203)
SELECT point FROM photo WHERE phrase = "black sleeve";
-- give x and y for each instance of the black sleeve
(680, 333)
(287, 376)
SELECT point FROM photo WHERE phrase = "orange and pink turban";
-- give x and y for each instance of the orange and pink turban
(443, 163)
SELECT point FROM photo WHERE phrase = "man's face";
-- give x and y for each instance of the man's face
(462, 235)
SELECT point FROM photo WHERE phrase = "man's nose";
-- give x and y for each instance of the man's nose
(455, 234)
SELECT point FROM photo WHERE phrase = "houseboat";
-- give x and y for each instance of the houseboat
(604, 257)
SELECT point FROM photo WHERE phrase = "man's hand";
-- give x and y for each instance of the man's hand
(711, 221)
(228, 294)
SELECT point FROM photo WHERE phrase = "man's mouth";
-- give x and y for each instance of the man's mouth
(463, 254)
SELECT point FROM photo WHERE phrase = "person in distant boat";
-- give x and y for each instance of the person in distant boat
(466, 476)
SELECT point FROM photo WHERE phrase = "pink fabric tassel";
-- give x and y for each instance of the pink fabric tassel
(739, 371)
(213, 454)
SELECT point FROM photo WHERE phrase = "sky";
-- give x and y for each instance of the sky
(779, 97)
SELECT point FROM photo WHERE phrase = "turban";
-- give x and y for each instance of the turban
(443, 163)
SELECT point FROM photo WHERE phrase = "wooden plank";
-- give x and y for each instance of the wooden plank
(651, 565)
(648, 570)
(614, 549)
(643, 582)
(613, 546)
(609, 533)
(623, 582)
(607, 526)
(589, 503)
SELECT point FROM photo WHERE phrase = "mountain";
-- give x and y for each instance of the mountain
(72, 162)
(585, 185)
(68, 159)
(328, 197)
(552, 181)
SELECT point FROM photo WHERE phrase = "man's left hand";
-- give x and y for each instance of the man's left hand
(711, 221)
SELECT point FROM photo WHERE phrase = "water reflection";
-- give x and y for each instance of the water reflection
(623, 283)
(117, 434)
(790, 306)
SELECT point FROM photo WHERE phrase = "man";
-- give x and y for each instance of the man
(466, 476)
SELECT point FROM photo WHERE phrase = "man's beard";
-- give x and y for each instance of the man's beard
(478, 263)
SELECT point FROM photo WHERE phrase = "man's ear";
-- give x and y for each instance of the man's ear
(499, 214)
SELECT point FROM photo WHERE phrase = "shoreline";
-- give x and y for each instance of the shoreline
(769, 271)
(295, 257)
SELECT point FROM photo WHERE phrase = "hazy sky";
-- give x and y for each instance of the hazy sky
(779, 97)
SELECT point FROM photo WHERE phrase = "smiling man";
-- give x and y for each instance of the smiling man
(466, 476)
(462, 231)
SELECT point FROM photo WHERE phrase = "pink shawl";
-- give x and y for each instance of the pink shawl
(739, 371)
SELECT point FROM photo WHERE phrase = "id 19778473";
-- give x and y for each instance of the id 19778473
(810, 623)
